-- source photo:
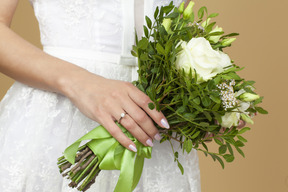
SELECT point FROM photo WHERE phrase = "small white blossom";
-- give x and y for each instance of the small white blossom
(227, 94)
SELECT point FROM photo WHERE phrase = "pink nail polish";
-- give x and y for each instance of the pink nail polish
(165, 123)
(149, 142)
(133, 148)
(157, 137)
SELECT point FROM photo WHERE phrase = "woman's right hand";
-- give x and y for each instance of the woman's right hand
(103, 100)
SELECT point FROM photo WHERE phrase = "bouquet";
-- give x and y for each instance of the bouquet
(183, 69)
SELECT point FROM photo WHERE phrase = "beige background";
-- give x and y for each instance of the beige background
(261, 48)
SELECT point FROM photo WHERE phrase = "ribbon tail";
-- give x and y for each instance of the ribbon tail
(138, 168)
(125, 181)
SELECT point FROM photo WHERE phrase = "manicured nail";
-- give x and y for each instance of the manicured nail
(133, 148)
(157, 137)
(149, 142)
(165, 123)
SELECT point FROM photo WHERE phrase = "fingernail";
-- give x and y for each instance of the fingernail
(133, 148)
(165, 123)
(157, 137)
(149, 142)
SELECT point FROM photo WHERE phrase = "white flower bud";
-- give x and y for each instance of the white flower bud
(246, 118)
(189, 10)
(167, 24)
(216, 38)
(249, 97)
(227, 42)
(181, 7)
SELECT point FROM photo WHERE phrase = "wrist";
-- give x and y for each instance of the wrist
(67, 83)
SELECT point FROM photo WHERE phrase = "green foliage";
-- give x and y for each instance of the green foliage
(192, 109)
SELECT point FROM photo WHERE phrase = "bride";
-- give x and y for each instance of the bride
(79, 81)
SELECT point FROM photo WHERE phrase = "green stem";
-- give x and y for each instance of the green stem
(87, 168)
(92, 173)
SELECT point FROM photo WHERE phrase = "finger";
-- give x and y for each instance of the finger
(143, 100)
(141, 118)
(116, 132)
(136, 131)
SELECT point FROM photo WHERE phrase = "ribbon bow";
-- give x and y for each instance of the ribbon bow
(113, 156)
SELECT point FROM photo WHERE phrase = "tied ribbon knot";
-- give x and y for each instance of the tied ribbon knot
(113, 156)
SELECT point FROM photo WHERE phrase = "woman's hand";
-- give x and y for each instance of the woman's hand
(103, 100)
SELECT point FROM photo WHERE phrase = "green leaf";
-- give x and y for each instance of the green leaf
(172, 15)
(146, 32)
(144, 57)
(241, 138)
(211, 85)
(180, 167)
(206, 101)
(204, 124)
(167, 9)
(151, 106)
(217, 116)
(229, 158)
(209, 28)
(217, 33)
(197, 100)
(176, 155)
(216, 106)
(261, 110)
(189, 145)
(168, 47)
(257, 101)
(149, 22)
(230, 35)
(240, 151)
(195, 135)
(143, 43)
(207, 115)
(230, 148)
(243, 130)
(212, 127)
(160, 49)
(205, 146)
(213, 15)
(222, 149)
(218, 141)
(215, 98)
(239, 144)
(181, 109)
(201, 12)
(134, 53)
(189, 116)
(220, 161)
(156, 12)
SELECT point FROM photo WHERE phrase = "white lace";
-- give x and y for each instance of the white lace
(36, 126)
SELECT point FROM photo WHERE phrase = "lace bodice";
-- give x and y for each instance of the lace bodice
(87, 24)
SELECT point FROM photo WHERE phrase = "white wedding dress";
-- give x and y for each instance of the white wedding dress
(36, 126)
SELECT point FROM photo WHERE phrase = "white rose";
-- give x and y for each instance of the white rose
(198, 55)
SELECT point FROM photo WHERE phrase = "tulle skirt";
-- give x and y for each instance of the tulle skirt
(36, 126)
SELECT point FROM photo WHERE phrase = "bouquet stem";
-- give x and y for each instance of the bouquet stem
(86, 168)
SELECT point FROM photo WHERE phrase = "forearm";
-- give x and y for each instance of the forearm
(26, 63)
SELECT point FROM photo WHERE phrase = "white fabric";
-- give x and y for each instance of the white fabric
(36, 126)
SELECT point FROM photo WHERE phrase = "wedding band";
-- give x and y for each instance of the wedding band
(122, 115)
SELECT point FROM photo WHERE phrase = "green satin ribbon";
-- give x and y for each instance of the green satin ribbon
(113, 156)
